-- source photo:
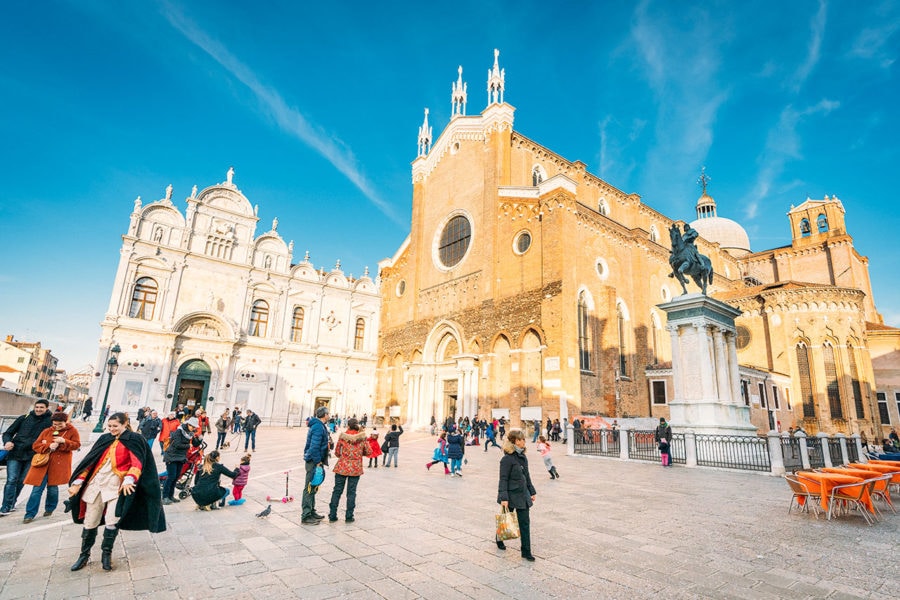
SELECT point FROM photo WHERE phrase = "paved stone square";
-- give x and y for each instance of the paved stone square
(606, 529)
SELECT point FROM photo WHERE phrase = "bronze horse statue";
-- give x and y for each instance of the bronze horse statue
(686, 261)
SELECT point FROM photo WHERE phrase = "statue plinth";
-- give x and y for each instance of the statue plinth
(707, 395)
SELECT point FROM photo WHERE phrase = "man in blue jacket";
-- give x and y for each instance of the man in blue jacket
(315, 453)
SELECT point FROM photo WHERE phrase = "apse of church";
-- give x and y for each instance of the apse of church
(529, 287)
(209, 313)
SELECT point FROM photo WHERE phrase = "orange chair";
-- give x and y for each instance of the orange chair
(803, 496)
(881, 490)
(851, 495)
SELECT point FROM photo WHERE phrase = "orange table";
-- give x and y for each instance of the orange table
(883, 469)
(827, 481)
(892, 463)
(855, 471)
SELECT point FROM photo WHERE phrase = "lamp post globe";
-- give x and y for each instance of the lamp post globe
(112, 365)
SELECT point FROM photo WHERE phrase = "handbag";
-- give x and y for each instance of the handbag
(384, 447)
(507, 525)
(39, 460)
(318, 476)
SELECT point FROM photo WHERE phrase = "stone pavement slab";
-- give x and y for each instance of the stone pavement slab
(606, 529)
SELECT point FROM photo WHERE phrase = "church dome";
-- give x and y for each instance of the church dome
(727, 233)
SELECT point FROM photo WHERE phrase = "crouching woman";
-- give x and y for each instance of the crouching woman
(207, 491)
(116, 484)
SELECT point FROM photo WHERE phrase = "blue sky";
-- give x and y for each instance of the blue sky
(317, 105)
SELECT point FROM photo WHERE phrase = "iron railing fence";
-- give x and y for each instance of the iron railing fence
(746, 452)
(852, 451)
(597, 442)
(834, 451)
(814, 449)
(642, 446)
(790, 452)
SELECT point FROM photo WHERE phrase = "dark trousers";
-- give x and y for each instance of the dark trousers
(524, 529)
(339, 481)
(248, 437)
(309, 498)
(220, 439)
(173, 471)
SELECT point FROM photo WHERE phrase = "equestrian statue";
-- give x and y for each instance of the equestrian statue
(686, 261)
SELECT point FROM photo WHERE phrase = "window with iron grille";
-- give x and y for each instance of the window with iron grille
(831, 379)
(882, 408)
(584, 334)
(806, 394)
(762, 395)
(658, 388)
(775, 402)
(745, 391)
(259, 318)
(297, 324)
(854, 383)
(143, 300)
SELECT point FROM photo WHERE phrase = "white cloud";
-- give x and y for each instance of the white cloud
(288, 118)
(870, 43)
(814, 49)
(783, 144)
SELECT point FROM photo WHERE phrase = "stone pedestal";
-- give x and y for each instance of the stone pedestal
(707, 396)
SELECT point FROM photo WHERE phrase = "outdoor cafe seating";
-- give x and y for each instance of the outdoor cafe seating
(840, 490)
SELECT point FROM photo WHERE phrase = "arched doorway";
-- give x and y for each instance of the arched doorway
(192, 386)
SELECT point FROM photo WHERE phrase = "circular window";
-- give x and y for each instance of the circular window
(455, 240)
(522, 243)
(401, 287)
(743, 337)
(602, 268)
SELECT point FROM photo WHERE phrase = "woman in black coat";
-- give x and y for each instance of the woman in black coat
(207, 491)
(515, 491)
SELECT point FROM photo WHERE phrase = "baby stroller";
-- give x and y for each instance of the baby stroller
(185, 481)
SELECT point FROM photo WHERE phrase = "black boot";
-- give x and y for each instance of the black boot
(554, 472)
(106, 546)
(88, 537)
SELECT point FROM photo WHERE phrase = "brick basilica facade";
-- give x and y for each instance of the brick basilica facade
(528, 283)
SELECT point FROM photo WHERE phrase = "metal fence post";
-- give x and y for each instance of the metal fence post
(624, 441)
(845, 457)
(604, 441)
(804, 450)
(690, 449)
(570, 440)
(776, 459)
(822, 439)
(857, 441)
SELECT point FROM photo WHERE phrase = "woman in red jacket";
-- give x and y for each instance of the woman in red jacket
(350, 449)
(59, 441)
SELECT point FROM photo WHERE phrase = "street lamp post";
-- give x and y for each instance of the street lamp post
(112, 365)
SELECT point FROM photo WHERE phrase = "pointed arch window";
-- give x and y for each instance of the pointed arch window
(655, 333)
(537, 176)
(854, 383)
(831, 380)
(804, 228)
(360, 336)
(822, 223)
(584, 333)
(143, 299)
(603, 208)
(806, 394)
(620, 328)
(259, 318)
(654, 234)
(297, 324)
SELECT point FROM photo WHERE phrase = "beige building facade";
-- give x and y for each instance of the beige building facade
(207, 312)
(528, 285)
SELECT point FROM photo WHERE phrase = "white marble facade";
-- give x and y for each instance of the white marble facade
(206, 310)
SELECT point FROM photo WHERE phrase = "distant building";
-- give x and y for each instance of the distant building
(209, 313)
(528, 283)
(26, 367)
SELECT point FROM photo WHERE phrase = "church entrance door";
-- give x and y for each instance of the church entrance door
(451, 387)
(192, 386)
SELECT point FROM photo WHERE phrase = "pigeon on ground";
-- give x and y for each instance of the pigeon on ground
(265, 512)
